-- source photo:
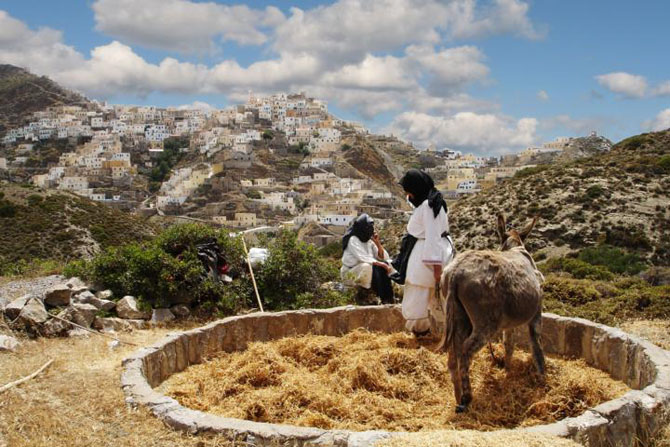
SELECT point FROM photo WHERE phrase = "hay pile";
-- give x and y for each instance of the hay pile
(365, 381)
(471, 438)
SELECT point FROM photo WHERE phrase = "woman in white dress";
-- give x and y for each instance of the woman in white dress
(365, 263)
(431, 253)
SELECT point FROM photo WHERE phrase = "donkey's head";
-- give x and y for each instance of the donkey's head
(512, 238)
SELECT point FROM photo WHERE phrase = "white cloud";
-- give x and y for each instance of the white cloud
(662, 89)
(502, 17)
(182, 25)
(543, 95)
(660, 122)
(373, 73)
(449, 68)
(629, 85)
(489, 133)
(42, 51)
(197, 105)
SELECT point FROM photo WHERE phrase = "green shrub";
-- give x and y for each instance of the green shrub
(613, 259)
(577, 268)
(527, 172)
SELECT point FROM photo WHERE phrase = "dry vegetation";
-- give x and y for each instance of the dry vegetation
(365, 381)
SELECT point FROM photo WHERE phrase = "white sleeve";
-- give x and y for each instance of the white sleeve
(359, 251)
(432, 249)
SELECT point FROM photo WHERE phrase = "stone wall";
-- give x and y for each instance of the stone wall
(634, 418)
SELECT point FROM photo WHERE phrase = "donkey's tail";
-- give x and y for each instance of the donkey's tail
(448, 286)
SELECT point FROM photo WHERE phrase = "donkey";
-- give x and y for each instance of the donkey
(486, 292)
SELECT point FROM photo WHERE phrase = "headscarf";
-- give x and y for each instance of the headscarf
(422, 188)
(363, 228)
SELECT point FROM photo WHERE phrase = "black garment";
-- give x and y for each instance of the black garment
(422, 187)
(363, 228)
(401, 261)
(381, 284)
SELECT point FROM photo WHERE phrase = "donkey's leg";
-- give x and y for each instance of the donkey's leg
(452, 363)
(472, 344)
(534, 330)
(508, 341)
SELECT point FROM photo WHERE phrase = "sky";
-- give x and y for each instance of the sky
(483, 76)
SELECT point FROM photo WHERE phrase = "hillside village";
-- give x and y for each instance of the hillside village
(275, 160)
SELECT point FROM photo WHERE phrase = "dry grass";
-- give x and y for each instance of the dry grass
(77, 401)
(365, 381)
(656, 331)
(470, 438)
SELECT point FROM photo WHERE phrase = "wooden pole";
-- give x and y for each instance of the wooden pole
(251, 270)
(25, 379)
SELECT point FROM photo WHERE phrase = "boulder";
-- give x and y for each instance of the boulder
(181, 310)
(33, 313)
(55, 327)
(81, 313)
(104, 294)
(13, 309)
(77, 285)
(117, 324)
(58, 295)
(8, 343)
(100, 304)
(78, 332)
(4, 301)
(161, 316)
(127, 308)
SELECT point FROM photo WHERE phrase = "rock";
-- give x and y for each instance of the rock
(181, 310)
(78, 332)
(4, 301)
(127, 308)
(113, 344)
(104, 294)
(13, 309)
(81, 313)
(8, 343)
(58, 296)
(100, 304)
(33, 313)
(117, 324)
(77, 285)
(161, 316)
(55, 327)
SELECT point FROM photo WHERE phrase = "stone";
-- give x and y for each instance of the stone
(77, 285)
(83, 296)
(33, 313)
(55, 327)
(57, 296)
(8, 343)
(104, 294)
(181, 310)
(161, 316)
(117, 324)
(99, 303)
(4, 301)
(78, 332)
(81, 313)
(127, 308)
(13, 309)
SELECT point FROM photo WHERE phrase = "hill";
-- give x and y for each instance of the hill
(56, 225)
(620, 198)
(23, 93)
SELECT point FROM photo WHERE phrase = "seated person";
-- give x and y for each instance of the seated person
(365, 263)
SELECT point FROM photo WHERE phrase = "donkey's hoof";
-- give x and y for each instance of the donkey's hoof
(461, 408)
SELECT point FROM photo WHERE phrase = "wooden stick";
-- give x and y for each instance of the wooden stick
(92, 331)
(25, 379)
(251, 270)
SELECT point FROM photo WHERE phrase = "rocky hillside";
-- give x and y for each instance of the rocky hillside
(620, 197)
(22, 93)
(56, 225)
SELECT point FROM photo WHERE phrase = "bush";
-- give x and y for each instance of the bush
(577, 268)
(613, 259)
(292, 269)
(527, 172)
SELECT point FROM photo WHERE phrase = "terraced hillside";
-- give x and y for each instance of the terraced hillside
(22, 93)
(620, 197)
(56, 225)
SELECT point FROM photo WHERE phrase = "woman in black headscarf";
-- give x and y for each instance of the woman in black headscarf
(365, 263)
(432, 251)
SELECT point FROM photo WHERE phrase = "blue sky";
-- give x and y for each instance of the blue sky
(488, 76)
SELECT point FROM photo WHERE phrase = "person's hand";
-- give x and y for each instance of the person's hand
(384, 265)
(437, 272)
(375, 238)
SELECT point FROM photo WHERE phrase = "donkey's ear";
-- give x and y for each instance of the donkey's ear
(524, 233)
(501, 228)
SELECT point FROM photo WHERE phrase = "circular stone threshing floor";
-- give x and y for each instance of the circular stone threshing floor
(364, 381)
